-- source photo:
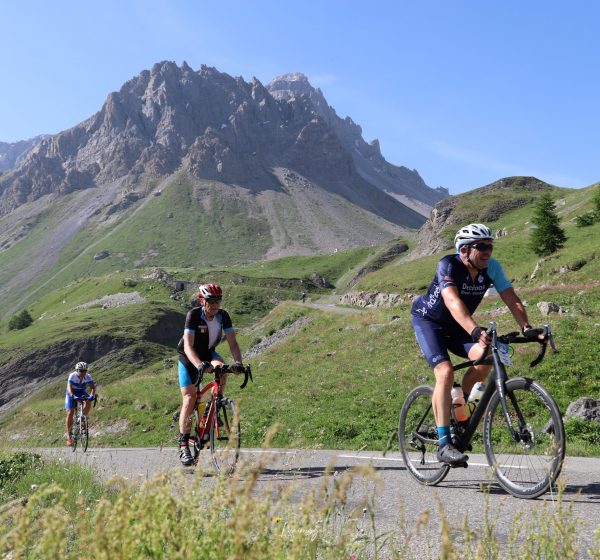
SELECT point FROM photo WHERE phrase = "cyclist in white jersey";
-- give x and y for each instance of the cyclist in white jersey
(77, 384)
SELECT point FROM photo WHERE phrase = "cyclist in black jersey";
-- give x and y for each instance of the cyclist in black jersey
(204, 328)
(442, 320)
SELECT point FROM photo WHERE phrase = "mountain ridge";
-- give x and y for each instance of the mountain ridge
(220, 128)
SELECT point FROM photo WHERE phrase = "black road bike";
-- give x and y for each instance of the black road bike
(523, 432)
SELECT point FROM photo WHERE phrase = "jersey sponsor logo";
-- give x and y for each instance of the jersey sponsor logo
(467, 289)
(203, 329)
(480, 279)
(433, 298)
(438, 358)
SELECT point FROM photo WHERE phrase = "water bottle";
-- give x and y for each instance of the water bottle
(458, 404)
(475, 395)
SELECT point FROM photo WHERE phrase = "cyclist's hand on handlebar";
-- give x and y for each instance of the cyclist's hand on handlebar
(529, 332)
(481, 336)
(204, 367)
(237, 367)
(91, 397)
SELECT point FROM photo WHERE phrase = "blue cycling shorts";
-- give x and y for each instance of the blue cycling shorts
(189, 376)
(69, 402)
(435, 340)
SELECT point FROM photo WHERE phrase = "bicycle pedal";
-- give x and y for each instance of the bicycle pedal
(459, 465)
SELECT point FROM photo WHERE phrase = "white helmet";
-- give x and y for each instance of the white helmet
(470, 234)
(81, 366)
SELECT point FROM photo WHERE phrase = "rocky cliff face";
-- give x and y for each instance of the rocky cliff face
(217, 127)
(12, 154)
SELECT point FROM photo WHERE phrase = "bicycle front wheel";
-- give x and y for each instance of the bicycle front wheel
(527, 459)
(74, 435)
(225, 437)
(418, 438)
(83, 433)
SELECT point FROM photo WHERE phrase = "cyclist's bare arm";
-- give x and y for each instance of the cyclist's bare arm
(514, 303)
(461, 314)
(188, 348)
(236, 353)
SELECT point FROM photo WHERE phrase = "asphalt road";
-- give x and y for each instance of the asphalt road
(464, 492)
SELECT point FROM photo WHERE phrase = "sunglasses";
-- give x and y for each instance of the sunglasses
(483, 246)
(212, 300)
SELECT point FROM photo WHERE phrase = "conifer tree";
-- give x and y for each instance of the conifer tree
(548, 237)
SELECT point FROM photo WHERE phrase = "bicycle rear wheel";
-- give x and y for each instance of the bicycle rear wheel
(83, 433)
(225, 437)
(528, 462)
(417, 434)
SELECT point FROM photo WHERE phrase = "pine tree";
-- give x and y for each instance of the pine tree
(20, 320)
(548, 237)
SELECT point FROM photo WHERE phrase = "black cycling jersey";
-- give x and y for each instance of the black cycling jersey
(195, 323)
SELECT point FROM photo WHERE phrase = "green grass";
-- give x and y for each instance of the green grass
(235, 518)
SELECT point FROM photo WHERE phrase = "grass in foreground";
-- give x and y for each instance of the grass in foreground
(181, 518)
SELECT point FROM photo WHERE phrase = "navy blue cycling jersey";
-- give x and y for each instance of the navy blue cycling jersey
(452, 272)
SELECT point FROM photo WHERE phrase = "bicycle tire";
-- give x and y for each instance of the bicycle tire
(529, 467)
(195, 429)
(225, 437)
(418, 438)
(74, 435)
(84, 434)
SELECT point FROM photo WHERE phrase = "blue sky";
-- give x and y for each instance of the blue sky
(466, 92)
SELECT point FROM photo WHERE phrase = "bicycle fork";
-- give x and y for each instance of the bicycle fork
(519, 435)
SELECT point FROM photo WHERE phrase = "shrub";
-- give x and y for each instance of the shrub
(16, 465)
(588, 219)
(20, 320)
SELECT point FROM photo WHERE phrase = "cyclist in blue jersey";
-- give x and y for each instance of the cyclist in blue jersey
(442, 321)
(204, 328)
(77, 384)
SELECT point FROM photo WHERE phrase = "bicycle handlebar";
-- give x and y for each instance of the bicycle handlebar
(226, 368)
(515, 338)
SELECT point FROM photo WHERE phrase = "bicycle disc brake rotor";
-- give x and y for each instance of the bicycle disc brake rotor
(526, 436)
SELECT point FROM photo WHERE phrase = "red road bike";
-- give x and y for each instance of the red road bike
(217, 424)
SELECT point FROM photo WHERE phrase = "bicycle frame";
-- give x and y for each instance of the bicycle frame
(216, 389)
(500, 377)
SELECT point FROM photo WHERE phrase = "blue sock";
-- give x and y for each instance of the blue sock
(443, 435)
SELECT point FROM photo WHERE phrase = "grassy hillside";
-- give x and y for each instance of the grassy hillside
(339, 380)
(580, 253)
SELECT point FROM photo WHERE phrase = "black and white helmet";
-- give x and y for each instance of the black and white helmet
(471, 234)
(81, 366)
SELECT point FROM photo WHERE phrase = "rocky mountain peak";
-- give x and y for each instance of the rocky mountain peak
(218, 127)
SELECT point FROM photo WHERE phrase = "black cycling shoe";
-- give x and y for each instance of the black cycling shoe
(450, 455)
(185, 456)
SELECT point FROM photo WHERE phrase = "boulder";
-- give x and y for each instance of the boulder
(585, 408)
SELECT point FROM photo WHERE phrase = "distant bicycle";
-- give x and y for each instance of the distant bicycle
(523, 432)
(80, 428)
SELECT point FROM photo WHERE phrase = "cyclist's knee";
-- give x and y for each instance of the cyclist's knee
(444, 373)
